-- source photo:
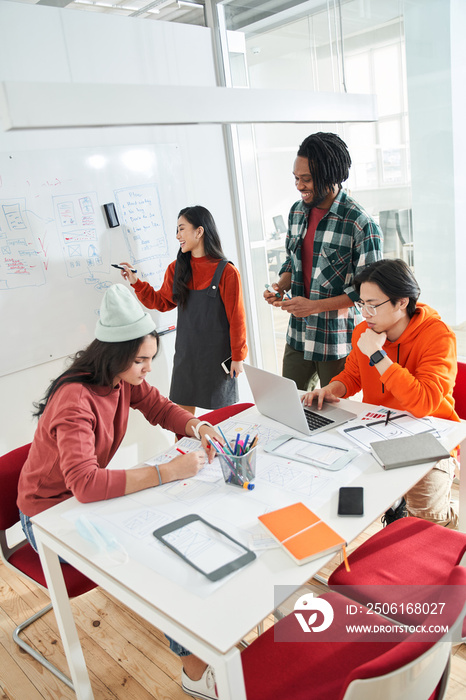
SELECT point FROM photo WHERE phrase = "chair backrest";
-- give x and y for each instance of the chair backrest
(221, 414)
(459, 391)
(10, 469)
(414, 668)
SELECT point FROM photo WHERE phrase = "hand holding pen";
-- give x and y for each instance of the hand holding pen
(210, 439)
(128, 272)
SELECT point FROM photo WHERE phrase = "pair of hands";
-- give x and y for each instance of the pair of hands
(298, 306)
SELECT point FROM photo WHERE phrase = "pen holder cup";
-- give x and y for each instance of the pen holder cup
(239, 470)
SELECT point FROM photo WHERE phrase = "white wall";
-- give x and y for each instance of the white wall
(39, 43)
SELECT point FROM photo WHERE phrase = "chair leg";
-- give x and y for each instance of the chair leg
(35, 654)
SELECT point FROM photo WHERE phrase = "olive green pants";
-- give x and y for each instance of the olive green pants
(306, 373)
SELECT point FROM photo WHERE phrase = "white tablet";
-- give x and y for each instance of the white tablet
(310, 451)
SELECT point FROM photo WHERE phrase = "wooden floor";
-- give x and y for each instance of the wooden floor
(127, 658)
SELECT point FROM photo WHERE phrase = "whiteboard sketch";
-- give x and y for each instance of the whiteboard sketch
(56, 248)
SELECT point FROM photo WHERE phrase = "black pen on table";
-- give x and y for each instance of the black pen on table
(387, 418)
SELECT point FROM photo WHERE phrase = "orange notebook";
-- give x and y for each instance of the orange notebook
(302, 533)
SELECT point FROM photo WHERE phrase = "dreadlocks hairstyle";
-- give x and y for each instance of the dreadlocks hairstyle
(197, 216)
(395, 279)
(96, 365)
(328, 158)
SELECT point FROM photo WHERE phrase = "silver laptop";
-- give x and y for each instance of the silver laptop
(278, 398)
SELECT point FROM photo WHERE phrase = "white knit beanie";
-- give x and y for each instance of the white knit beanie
(122, 317)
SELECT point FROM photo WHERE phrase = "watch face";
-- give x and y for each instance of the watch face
(377, 356)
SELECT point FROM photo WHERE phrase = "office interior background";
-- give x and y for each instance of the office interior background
(407, 168)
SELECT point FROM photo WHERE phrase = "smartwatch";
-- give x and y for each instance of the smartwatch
(376, 357)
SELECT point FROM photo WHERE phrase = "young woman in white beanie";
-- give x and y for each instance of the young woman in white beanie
(83, 418)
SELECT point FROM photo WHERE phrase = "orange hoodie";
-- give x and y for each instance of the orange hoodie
(422, 376)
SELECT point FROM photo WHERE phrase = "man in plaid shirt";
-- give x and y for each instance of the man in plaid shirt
(330, 238)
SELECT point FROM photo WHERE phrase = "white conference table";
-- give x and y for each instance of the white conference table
(212, 625)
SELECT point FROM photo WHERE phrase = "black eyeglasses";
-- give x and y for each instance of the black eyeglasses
(370, 308)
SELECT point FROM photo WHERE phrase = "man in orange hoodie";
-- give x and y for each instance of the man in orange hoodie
(404, 357)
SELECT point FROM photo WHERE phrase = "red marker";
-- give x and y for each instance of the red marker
(178, 450)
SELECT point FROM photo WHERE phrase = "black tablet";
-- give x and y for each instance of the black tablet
(206, 548)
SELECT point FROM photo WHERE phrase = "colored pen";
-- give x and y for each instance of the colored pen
(178, 450)
(387, 418)
(226, 441)
(120, 267)
(238, 435)
(253, 443)
(270, 289)
(286, 295)
(245, 443)
(168, 329)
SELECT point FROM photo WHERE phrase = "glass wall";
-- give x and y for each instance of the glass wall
(357, 47)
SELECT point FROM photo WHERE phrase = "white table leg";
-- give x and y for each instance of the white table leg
(61, 606)
(229, 677)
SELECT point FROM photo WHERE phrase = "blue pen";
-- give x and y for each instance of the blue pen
(224, 437)
(245, 443)
(238, 435)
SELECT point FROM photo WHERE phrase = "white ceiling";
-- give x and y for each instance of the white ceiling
(185, 11)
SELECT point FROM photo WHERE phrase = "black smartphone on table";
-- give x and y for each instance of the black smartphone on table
(351, 500)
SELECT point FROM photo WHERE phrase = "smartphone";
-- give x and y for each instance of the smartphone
(351, 500)
(226, 365)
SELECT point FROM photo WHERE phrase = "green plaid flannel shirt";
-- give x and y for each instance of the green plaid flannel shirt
(346, 240)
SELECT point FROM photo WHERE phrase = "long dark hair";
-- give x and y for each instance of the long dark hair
(395, 279)
(96, 365)
(197, 216)
(328, 158)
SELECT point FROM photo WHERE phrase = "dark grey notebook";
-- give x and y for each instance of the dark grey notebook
(405, 451)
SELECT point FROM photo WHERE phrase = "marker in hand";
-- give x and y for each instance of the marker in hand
(270, 289)
(121, 267)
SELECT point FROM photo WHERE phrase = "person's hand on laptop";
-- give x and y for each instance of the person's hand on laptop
(331, 393)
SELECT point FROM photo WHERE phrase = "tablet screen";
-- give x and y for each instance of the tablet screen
(204, 546)
(315, 452)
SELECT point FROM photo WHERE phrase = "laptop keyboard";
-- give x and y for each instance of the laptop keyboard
(316, 420)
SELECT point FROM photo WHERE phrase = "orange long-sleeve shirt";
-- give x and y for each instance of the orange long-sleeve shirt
(230, 291)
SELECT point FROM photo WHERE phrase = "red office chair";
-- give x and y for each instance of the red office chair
(23, 559)
(221, 414)
(459, 391)
(409, 552)
(352, 666)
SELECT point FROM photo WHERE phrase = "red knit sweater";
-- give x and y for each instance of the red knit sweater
(76, 437)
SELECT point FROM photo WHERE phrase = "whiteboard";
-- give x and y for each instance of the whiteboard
(56, 248)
